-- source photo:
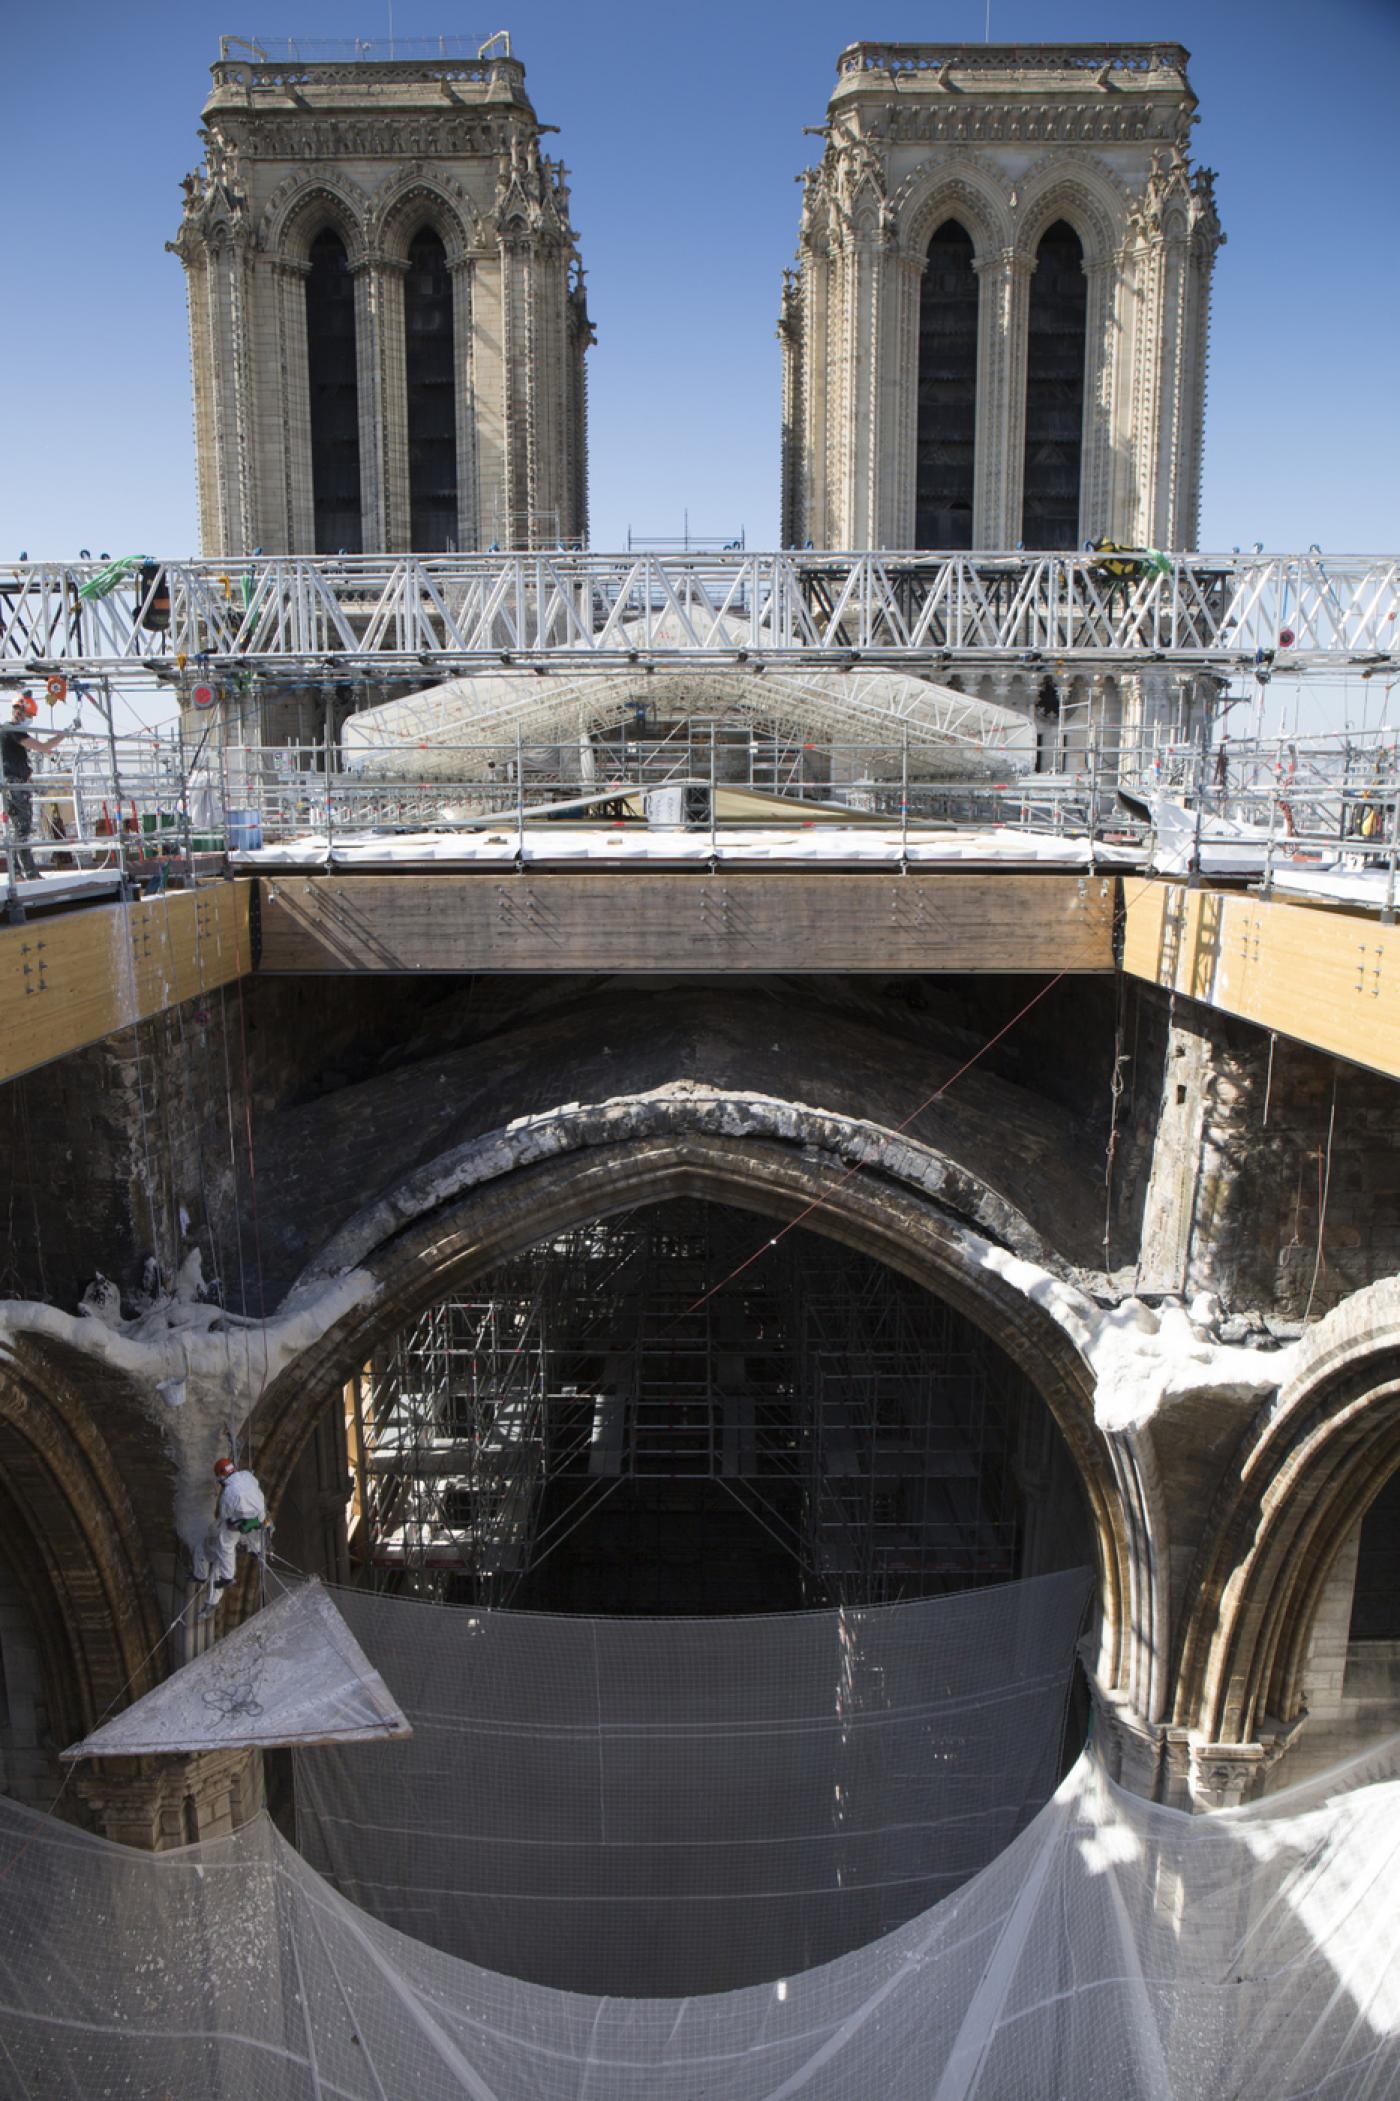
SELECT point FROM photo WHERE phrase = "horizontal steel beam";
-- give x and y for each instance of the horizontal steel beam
(300, 618)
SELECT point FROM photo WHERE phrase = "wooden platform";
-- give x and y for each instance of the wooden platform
(618, 920)
(1326, 976)
(77, 976)
(1321, 974)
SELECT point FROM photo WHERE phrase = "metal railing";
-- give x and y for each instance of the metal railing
(1012, 58)
(278, 62)
(1265, 810)
(290, 619)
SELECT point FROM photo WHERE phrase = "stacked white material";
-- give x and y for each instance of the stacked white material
(555, 844)
(1114, 1952)
(649, 1806)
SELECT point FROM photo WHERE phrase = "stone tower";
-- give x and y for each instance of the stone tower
(387, 316)
(996, 332)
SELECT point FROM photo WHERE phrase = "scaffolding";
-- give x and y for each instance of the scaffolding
(861, 1424)
(309, 618)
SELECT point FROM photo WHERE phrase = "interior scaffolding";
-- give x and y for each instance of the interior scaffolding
(831, 1415)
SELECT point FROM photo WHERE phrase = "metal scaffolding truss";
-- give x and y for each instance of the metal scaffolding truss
(294, 618)
(863, 1425)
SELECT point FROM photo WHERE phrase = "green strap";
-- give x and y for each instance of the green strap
(106, 580)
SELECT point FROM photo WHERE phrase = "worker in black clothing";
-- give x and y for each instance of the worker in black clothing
(17, 741)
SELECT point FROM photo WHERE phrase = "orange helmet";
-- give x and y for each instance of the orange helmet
(26, 704)
(224, 1467)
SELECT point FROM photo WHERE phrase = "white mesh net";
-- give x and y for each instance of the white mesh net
(651, 1806)
(1113, 1950)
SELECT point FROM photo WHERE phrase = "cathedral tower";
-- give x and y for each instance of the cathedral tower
(996, 333)
(387, 316)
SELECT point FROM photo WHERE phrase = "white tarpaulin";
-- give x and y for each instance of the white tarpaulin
(294, 1674)
(434, 733)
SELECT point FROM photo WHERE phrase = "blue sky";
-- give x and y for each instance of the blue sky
(683, 132)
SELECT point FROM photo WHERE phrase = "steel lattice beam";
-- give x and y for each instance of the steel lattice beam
(397, 616)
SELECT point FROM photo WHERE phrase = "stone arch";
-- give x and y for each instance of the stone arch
(300, 207)
(957, 191)
(1085, 198)
(460, 1217)
(418, 199)
(72, 1538)
(1306, 1471)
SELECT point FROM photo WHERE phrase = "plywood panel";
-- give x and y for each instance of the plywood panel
(73, 978)
(1327, 977)
(991, 921)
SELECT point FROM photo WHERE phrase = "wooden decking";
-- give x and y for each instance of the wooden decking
(634, 920)
(69, 979)
(1326, 976)
(1322, 974)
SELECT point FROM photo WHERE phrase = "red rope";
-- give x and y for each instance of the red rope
(914, 1114)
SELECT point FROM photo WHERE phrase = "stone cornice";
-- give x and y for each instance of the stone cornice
(295, 134)
(969, 120)
(1033, 69)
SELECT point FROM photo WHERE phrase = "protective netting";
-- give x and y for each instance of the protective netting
(644, 1807)
(1114, 1952)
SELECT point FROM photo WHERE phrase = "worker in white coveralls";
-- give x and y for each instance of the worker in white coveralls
(240, 1522)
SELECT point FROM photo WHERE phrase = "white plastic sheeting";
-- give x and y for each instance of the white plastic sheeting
(293, 1674)
(1114, 1952)
(651, 1806)
(426, 735)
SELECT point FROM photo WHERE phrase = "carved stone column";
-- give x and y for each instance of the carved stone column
(1096, 467)
(577, 389)
(814, 519)
(485, 351)
(1222, 1776)
(517, 261)
(1006, 399)
(296, 498)
(549, 334)
(896, 494)
(792, 499)
(369, 275)
(988, 446)
(159, 1803)
(387, 274)
(198, 294)
(469, 533)
(1162, 520)
(229, 422)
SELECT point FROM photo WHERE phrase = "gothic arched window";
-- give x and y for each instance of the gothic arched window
(944, 441)
(432, 414)
(335, 396)
(1057, 340)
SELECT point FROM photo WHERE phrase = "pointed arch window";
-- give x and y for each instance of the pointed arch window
(947, 400)
(430, 371)
(1056, 346)
(335, 396)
